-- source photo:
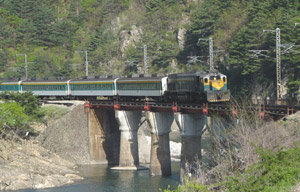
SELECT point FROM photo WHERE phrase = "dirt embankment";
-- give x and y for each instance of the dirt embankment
(68, 136)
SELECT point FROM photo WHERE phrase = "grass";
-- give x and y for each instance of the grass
(53, 112)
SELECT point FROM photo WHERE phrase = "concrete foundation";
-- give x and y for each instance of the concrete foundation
(128, 125)
(103, 136)
(191, 126)
(160, 160)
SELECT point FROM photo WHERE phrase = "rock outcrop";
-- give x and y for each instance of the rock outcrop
(25, 164)
(129, 37)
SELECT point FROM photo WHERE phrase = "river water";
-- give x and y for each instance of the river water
(101, 178)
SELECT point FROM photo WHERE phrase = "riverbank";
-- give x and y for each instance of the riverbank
(25, 164)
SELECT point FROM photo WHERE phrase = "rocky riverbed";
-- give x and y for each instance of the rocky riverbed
(24, 164)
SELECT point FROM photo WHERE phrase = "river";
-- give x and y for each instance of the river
(101, 178)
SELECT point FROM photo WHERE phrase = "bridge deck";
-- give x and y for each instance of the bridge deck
(206, 108)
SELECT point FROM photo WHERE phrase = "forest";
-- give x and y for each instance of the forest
(55, 34)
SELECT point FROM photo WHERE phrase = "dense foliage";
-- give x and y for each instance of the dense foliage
(27, 101)
(53, 34)
(13, 117)
(237, 27)
(17, 111)
(277, 171)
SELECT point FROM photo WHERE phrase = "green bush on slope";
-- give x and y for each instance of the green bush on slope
(13, 117)
(277, 171)
(17, 111)
(189, 187)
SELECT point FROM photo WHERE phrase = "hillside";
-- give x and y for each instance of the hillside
(54, 34)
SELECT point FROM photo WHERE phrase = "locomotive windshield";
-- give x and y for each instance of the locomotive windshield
(217, 77)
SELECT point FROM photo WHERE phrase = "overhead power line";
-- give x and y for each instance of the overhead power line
(258, 53)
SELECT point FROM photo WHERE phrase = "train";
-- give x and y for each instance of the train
(180, 87)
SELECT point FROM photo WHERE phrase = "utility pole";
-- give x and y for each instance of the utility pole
(211, 52)
(26, 72)
(278, 62)
(86, 63)
(145, 59)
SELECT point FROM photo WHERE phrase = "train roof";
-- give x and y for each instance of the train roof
(199, 73)
(140, 78)
(9, 82)
(45, 81)
(92, 80)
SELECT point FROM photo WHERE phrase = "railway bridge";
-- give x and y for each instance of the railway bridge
(190, 118)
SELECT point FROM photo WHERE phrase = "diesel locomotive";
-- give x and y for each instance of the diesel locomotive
(184, 87)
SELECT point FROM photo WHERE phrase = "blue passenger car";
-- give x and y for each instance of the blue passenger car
(46, 87)
(92, 87)
(141, 86)
(12, 86)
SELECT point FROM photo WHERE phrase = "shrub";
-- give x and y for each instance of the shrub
(189, 187)
(17, 111)
(27, 100)
(13, 118)
(277, 171)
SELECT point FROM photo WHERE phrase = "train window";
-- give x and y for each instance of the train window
(224, 79)
(205, 80)
(218, 77)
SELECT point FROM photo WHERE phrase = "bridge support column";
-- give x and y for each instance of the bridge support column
(103, 130)
(160, 160)
(190, 126)
(128, 125)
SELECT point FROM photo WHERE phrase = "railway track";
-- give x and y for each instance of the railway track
(204, 108)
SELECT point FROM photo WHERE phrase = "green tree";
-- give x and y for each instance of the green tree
(12, 117)
(27, 101)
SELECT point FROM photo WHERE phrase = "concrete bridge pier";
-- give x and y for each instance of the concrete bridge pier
(103, 131)
(128, 126)
(160, 160)
(191, 126)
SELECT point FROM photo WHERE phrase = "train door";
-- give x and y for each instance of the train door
(164, 84)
